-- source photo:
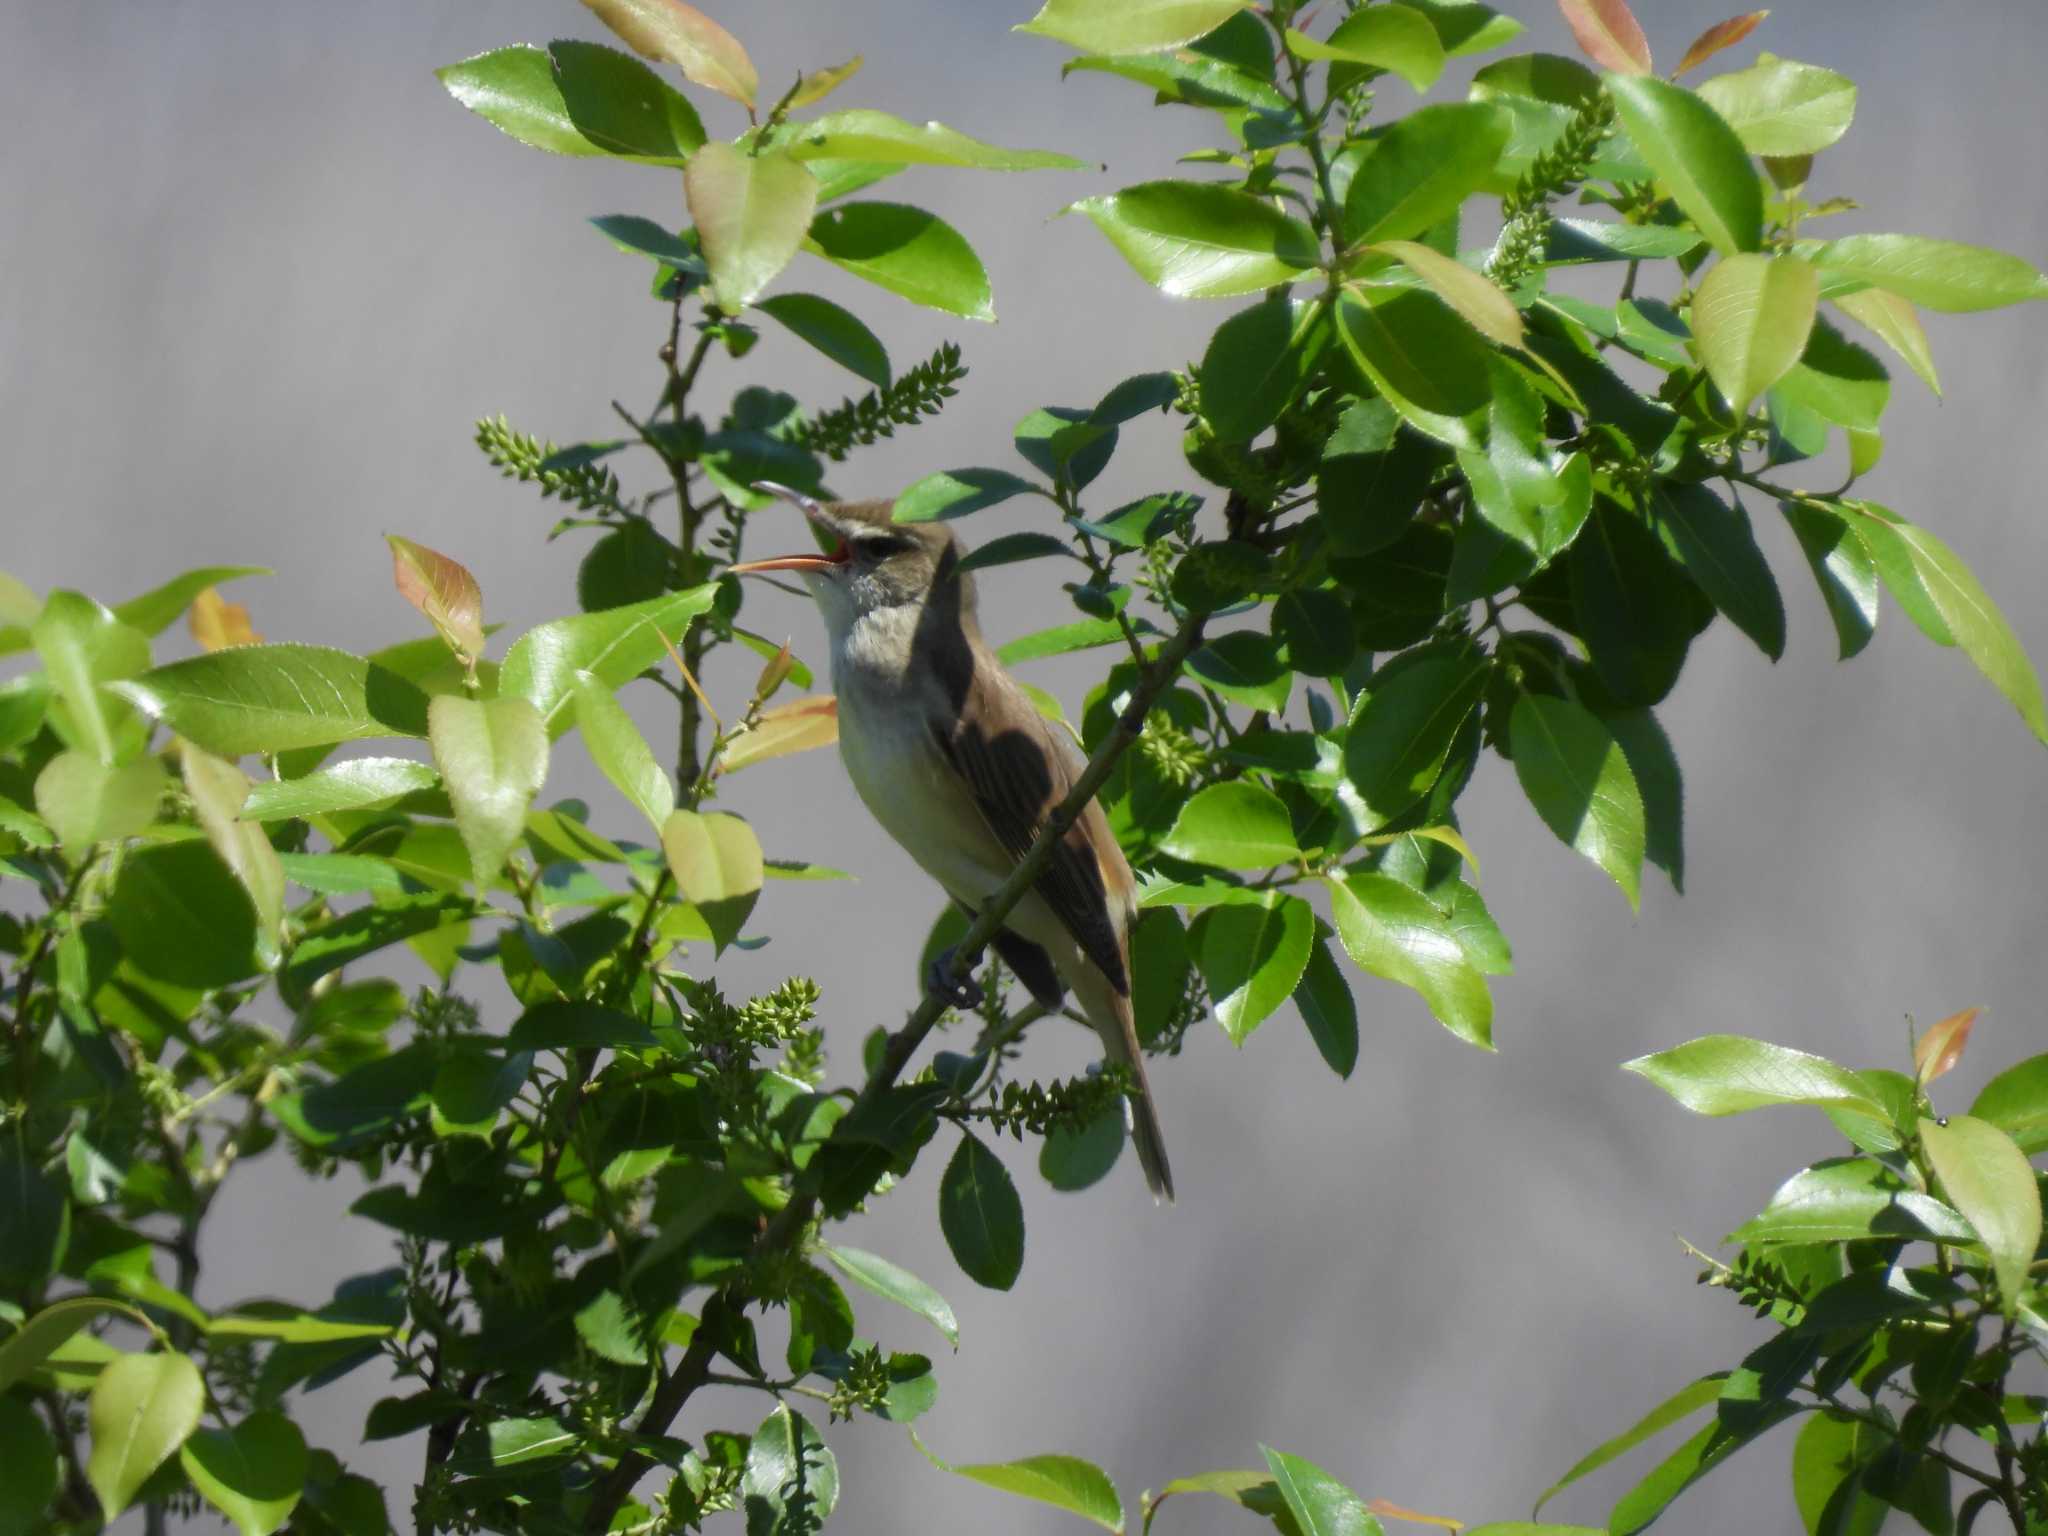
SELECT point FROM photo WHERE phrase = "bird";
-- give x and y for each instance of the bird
(950, 755)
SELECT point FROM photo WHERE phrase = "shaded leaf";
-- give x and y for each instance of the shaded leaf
(1578, 778)
(894, 1283)
(981, 1216)
(833, 331)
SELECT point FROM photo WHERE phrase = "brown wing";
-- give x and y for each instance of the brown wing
(1019, 774)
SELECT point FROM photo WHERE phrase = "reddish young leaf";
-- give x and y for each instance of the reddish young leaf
(820, 83)
(690, 677)
(217, 623)
(1608, 33)
(775, 674)
(1942, 1047)
(798, 726)
(682, 35)
(444, 591)
(1722, 34)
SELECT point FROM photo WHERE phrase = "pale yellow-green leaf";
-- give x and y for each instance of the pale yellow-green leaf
(142, 1409)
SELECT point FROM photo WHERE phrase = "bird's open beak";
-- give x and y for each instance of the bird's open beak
(812, 562)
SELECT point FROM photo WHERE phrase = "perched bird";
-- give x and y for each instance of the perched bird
(960, 768)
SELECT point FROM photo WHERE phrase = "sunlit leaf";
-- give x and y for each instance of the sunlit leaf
(1202, 240)
(253, 1473)
(142, 1408)
(1390, 37)
(799, 725)
(443, 590)
(1130, 26)
(1730, 1074)
(1697, 156)
(682, 35)
(217, 623)
(716, 860)
(1721, 35)
(1937, 1051)
(1989, 1180)
(884, 138)
(1393, 931)
(1609, 34)
(621, 752)
(493, 758)
(1781, 108)
(1750, 319)
(1941, 275)
(752, 213)
(1578, 779)
(907, 251)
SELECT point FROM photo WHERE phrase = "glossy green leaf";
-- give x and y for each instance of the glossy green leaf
(1838, 380)
(361, 784)
(1321, 1505)
(1894, 322)
(1750, 320)
(2016, 1101)
(1422, 358)
(493, 758)
(1246, 668)
(46, 1331)
(752, 212)
(958, 492)
(1829, 1462)
(1479, 301)
(1082, 635)
(84, 801)
(1688, 1400)
(1850, 1199)
(834, 331)
(1966, 611)
(1252, 957)
(1421, 170)
(907, 251)
(1714, 543)
(621, 752)
(1194, 79)
(1578, 779)
(1202, 240)
(644, 237)
(254, 1473)
(1988, 1179)
(981, 1216)
(29, 1454)
(1011, 549)
(278, 698)
(578, 99)
(1130, 26)
(1843, 568)
(1781, 108)
(891, 1282)
(1389, 37)
(883, 137)
(159, 608)
(1941, 275)
(1401, 733)
(616, 645)
(183, 916)
(1257, 362)
(1233, 825)
(142, 1409)
(1693, 1460)
(1393, 931)
(716, 860)
(1729, 1074)
(1065, 1482)
(1323, 998)
(82, 647)
(1697, 156)
(790, 1483)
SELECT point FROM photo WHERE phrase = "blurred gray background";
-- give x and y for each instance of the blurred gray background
(261, 274)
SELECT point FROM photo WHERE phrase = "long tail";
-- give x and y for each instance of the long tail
(1120, 1044)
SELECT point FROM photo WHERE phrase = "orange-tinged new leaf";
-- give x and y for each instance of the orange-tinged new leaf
(1609, 34)
(689, 677)
(1942, 1047)
(798, 726)
(820, 83)
(217, 623)
(1722, 34)
(682, 35)
(774, 674)
(443, 590)
(1387, 1509)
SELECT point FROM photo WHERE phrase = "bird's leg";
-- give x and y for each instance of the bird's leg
(964, 993)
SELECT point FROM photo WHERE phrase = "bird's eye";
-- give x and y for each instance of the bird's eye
(880, 546)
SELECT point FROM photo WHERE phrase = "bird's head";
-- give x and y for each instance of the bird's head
(868, 562)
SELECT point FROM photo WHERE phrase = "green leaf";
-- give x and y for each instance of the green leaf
(1838, 380)
(1713, 541)
(83, 646)
(30, 1456)
(472, 1089)
(907, 251)
(1935, 274)
(1401, 732)
(671, 32)
(278, 698)
(1850, 1199)
(790, 1483)
(1781, 108)
(1987, 1178)
(142, 1409)
(1257, 362)
(1421, 170)
(2016, 1101)
(1233, 825)
(1750, 321)
(1578, 240)
(1313, 624)
(1065, 1482)
(751, 212)
(159, 608)
(1252, 957)
(1390, 37)
(1466, 26)
(835, 332)
(1578, 778)
(1011, 549)
(1129, 26)
(85, 802)
(621, 752)
(1071, 1160)
(578, 99)
(1662, 787)
(254, 1473)
(35, 1230)
(44, 1333)
(644, 237)
(1697, 156)
(493, 758)
(1729, 1074)
(887, 139)
(291, 1327)
(1968, 612)
(1843, 568)
(1829, 1462)
(1324, 1001)
(1202, 240)
(1194, 79)
(1685, 1466)
(361, 784)
(981, 1217)
(1393, 931)
(1683, 1403)
(891, 1282)
(1422, 357)
(1895, 322)
(342, 940)
(616, 645)
(1479, 301)
(716, 860)
(957, 492)
(1082, 635)
(1246, 668)
(183, 916)
(218, 790)
(1635, 606)
(1321, 1505)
